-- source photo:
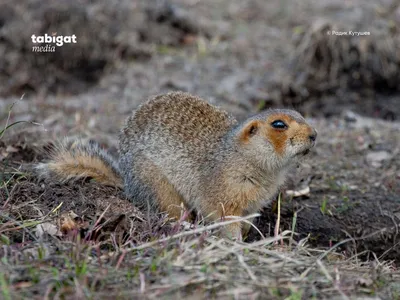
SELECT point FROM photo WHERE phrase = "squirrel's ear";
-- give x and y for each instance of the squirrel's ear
(249, 129)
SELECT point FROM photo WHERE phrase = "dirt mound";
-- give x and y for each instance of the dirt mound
(83, 207)
(101, 41)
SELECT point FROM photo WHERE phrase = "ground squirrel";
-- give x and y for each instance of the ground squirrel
(178, 149)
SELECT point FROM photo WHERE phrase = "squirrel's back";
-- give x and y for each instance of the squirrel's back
(176, 120)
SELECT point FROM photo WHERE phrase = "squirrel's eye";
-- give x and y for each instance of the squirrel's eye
(279, 124)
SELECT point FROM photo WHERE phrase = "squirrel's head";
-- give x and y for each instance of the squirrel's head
(276, 137)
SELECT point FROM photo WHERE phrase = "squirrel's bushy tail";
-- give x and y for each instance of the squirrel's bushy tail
(74, 159)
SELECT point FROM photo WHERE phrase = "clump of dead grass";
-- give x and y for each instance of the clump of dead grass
(345, 68)
(325, 61)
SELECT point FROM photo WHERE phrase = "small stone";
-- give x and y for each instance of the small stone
(376, 158)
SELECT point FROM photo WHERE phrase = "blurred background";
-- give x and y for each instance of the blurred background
(242, 55)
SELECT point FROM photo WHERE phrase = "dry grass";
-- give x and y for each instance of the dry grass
(180, 263)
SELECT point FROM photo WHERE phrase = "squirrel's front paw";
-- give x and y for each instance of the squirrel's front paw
(232, 231)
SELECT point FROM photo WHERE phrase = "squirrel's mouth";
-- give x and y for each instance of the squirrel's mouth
(305, 152)
(308, 150)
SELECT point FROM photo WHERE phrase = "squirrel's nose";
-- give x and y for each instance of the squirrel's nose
(313, 135)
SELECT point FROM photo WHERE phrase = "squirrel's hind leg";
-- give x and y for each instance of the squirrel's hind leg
(149, 188)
